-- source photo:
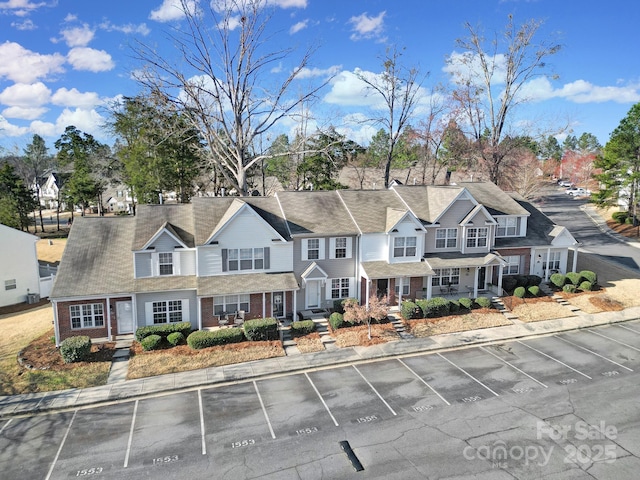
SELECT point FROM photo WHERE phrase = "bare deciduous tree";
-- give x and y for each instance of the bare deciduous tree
(490, 77)
(224, 88)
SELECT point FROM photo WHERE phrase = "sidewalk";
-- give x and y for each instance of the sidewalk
(131, 389)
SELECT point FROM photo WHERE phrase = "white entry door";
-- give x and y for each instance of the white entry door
(313, 293)
(124, 312)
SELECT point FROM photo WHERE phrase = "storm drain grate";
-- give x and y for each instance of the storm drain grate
(351, 456)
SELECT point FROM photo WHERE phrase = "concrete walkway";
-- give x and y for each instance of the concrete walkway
(119, 390)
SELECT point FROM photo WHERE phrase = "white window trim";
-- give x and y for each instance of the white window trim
(477, 237)
(239, 259)
(506, 227)
(329, 287)
(512, 261)
(148, 309)
(232, 307)
(155, 264)
(305, 249)
(404, 247)
(332, 248)
(446, 238)
(82, 315)
(452, 273)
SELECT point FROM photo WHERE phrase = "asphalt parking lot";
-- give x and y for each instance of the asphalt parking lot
(235, 431)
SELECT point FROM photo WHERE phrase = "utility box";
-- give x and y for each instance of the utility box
(33, 298)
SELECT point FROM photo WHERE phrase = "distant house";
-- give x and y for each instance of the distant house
(221, 259)
(19, 270)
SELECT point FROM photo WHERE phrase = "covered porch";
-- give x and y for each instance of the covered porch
(230, 299)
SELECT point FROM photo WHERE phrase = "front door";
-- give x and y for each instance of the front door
(313, 293)
(124, 313)
(382, 287)
(277, 304)
(482, 278)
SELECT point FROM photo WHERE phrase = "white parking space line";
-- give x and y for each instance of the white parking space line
(628, 328)
(133, 424)
(554, 359)
(204, 443)
(264, 410)
(614, 340)
(335, 422)
(423, 381)
(374, 390)
(468, 374)
(513, 366)
(594, 353)
(64, 439)
(5, 426)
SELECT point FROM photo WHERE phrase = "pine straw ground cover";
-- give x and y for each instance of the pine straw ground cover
(480, 318)
(358, 335)
(309, 343)
(536, 309)
(623, 294)
(183, 358)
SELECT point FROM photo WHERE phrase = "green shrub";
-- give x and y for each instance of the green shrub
(466, 303)
(534, 290)
(482, 302)
(574, 277)
(519, 292)
(454, 306)
(210, 338)
(410, 310)
(628, 221)
(619, 217)
(534, 280)
(75, 349)
(261, 329)
(336, 320)
(589, 276)
(302, 328)
(151, 342)
(436, 307)
(175, 338)
(522, 280)
(509, 283)
(558, 279)
(163, 330)
(337, 306)
(569, 288)
(586, 286)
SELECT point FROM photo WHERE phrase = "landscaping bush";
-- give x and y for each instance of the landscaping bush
(569, 288)
(558, 279)
(261, 329)
(509, 283)
(534, 290)
(534, 280)
(482, 302)
(628, 221)
(519, 292)
(589, 276)
(454, 306)
(435, 307)
(151, 342)
(175, 338)
(466, 303)
(337, 306)
(522, 280)
(410, 310)
(210, 338)
(302, 328)
(336, 320)
(574, 277)
(586, 286)
(619, 217)
(163, 330)
(75, 349)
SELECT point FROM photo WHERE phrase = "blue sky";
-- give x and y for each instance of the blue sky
(62, 62)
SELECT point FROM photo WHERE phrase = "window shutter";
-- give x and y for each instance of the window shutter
(349, 247)
(224, 260)
(304, 254)
(185, 310)
(176, 263)
(332, 248)
(321, 254)
(148, 313)
(267, 258)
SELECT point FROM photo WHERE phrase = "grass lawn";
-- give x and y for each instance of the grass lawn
(50, 253)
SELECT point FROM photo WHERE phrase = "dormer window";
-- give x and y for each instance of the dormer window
(404, 247)
(507, 227)
(165, 263)
(477, 237)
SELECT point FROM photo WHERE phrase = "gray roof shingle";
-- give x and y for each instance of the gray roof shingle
(319, 213)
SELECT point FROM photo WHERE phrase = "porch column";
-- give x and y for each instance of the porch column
(264, 305)
(56, 327)
(475, 282)
(575, 258)
(108, 319)
(500, 269)
(199, 310)
(367, 290)
(295, 305)
(400, 291)
(548, 264)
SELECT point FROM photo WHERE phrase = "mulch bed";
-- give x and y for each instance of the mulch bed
(512, 302)
(21, 307)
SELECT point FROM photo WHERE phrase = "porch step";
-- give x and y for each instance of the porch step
(499, 305)
(398, 325)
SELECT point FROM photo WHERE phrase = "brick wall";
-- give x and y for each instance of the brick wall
(64, 320)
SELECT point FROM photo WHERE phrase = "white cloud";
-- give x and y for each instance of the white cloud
(44, 129)
(74, 98)
(24, 66)
(277, 69)
(9, 130)
(348, 90)
(26, 25)
(172, 10)
(288, 3)
(78, 36)
(298, 26)
(366, 27)
(127, 29)
(305, 72)
(25, 95)
(579, 91)
(23, 113)
(21, 8)
(84, 58)
(466, 66)
(84, 119)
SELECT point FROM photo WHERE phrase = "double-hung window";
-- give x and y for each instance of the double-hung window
(245, 259)
(341, 247)
(446, 237)
(507, 227)
(477, 237)
(87, 316)
(165, 263)
(445, 276)
(513, 265)
(313, 248)
(404, 247)
(339, 287)
(230, 303)
(167, 311)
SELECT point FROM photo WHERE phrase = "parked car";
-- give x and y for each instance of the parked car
(571, 190)
(565, 183)
(580, 192)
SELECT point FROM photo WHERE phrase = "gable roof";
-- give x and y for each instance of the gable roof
(368, 208)
(319, 212)
(495, 200)
(427, 203)
(97, 260)
(151, 219)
